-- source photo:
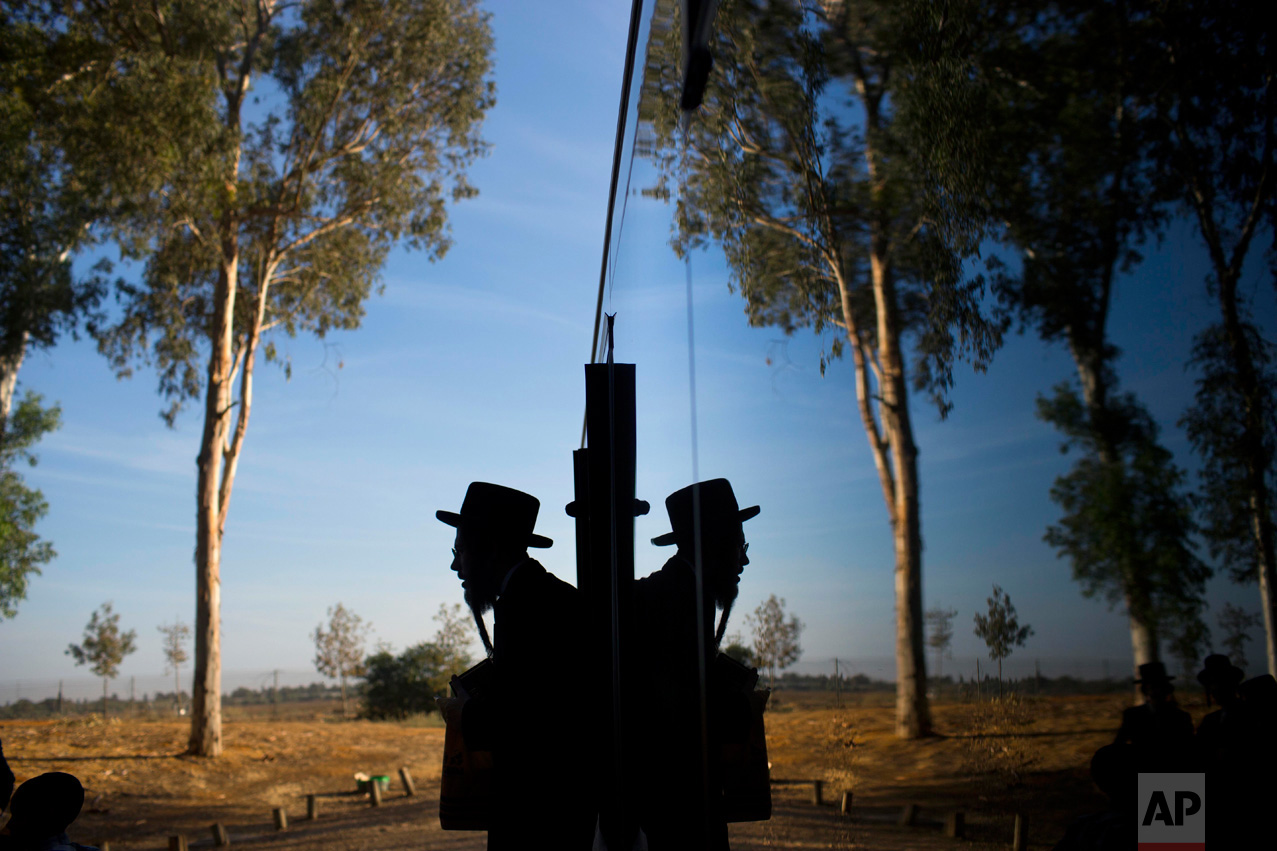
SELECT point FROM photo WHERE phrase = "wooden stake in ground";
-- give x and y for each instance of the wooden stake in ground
(409, 788)
(312, 807)
(374, 792)
(220, 837)
(177, 843)
(281, 819)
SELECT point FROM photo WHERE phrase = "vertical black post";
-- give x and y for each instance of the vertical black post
(605, 508)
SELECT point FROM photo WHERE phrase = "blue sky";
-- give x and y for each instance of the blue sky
(471, 369)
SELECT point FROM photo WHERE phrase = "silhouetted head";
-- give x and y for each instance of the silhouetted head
(45, 806)
(1260, 693)
(1154, 683)
(494, 531)
(1221, 678)
(1113, 770)
(722, 534)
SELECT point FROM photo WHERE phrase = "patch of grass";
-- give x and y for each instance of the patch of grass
(423, 719)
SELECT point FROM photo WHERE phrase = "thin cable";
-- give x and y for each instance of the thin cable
(631, 48)
(691, 367)
(625, 205)
(627, 81)
(698, 566)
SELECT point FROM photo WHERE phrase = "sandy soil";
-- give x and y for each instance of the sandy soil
(989, 761)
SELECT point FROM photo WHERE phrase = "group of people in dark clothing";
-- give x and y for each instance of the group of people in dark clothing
(544, 777)
(1235, 746)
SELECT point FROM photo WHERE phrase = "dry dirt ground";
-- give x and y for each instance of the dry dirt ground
(988, 760)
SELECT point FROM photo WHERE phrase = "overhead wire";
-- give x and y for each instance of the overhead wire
(627, 82)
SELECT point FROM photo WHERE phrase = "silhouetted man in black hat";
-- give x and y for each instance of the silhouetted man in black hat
(1161, 732)
(523, 716)
(1220, 732)
(681, 809)
(42, 809)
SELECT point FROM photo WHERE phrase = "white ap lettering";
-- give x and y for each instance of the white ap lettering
(1160, 810)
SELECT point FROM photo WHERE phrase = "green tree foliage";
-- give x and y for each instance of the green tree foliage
(339, 649)
(735, 647)
(1236, 624)
(1216, 428)
(22, 552)
(256, 219)
(1189, 643)
(940, 633)
(1072, 178)
(396, 687)
(804, 165)
(46, 206)
(1000, 629)
(103, 647)
(1215, 97)
(1127, 528)
(776, 644)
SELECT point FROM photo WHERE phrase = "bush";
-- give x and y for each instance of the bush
(396, 687)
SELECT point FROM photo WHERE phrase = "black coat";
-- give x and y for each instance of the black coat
(670, 771)
(531, 718)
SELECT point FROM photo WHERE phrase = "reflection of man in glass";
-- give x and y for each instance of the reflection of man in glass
(681, 804)
(539, 795)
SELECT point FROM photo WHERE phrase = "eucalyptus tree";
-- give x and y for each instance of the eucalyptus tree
(45, 208)
(314, 137)
(1219, 107)
(805, 164)
(1073, 179)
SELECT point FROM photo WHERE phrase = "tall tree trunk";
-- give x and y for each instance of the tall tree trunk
(10, 363)
(1089, 360)
(206, 697)
(1259, 498)
(104, 697)
(344, 713)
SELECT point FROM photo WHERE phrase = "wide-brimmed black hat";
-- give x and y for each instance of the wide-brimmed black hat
(45, 805)
(718, 508)
(1153, 672)
(498, 509)
(1218, 669)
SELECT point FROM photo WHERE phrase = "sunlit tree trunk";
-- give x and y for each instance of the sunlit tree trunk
(206, 708)
(10, 364)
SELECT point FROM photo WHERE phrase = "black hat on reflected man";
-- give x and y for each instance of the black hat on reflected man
(1153, 672)
(1218, 669)
(490, 509)
(718, 511)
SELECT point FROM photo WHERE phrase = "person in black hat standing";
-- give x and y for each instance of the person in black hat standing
(1220, 733)
(681, 809)
(540, 794)
(1161, 732)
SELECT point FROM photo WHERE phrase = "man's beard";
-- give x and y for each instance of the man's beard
(479, 601)
(726, 591)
